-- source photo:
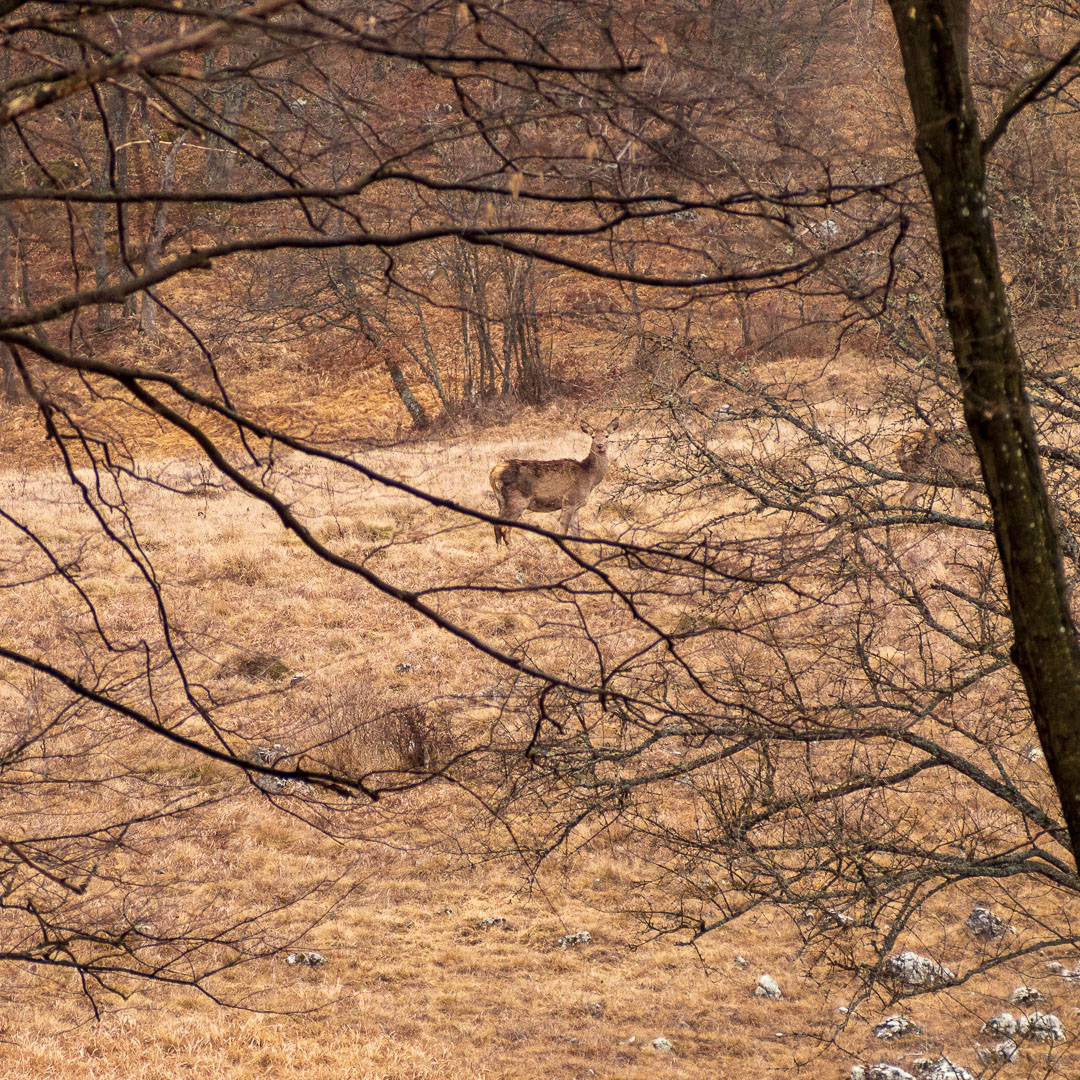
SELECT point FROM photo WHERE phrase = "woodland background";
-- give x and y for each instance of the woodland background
(281, 283)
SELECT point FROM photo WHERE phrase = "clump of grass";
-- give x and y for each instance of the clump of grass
(362, 733)
(257, 667)
(243, 568)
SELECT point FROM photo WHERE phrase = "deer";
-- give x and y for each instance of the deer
(927, 459)
(545, 487)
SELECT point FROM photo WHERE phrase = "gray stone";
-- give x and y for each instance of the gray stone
(767, 987)
(496, 922)
(985, 925)
(880, 1071)
(665, 1046)
(306, 959)
(1039, 1027)
(1012, 1027)
(1045, 1027)
(275, 785)
(894, 1027)
(915, 970)
(1025, 995)
(568, 941)
(1002, 1053)
(942, 1069)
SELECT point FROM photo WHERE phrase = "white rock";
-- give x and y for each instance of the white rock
(985, 925)
(568, 941)
(1012, 1027)
(944, 1069)
(880, 1072)
(1039, 1027)
(1003, 1053)
(665, 1046)
(916, 970)
(893, 1027)
(306, 959)
(1025, 995)
(1045, 1027)
(1055, 967)
(767, 987)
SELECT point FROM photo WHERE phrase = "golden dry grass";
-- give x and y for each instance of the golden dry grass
(413, 987)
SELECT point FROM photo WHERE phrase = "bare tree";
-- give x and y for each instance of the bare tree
(768, 678)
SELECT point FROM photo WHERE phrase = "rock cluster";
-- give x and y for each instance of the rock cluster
(1038, 1027)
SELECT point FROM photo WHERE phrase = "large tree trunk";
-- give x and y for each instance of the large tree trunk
(933, 42)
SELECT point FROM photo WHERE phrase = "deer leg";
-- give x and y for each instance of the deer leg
(568, 519)
(511, 509)
(911, 493)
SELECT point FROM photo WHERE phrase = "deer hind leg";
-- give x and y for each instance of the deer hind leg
(510, 508)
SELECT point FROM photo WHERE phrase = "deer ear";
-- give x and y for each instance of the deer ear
(613, 426)
(586, 427)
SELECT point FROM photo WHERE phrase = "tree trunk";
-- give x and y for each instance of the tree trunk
(933, 42)
(408, 398)
(167, 175)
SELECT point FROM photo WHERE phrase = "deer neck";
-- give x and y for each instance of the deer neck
(596, 463)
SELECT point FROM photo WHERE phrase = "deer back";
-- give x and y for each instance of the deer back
(550, 485)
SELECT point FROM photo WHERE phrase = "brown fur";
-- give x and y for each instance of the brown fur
(545, 487)
(927, 459)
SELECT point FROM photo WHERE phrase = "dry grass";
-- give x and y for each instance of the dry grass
(413, 987)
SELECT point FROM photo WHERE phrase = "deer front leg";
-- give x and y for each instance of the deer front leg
(568, 519)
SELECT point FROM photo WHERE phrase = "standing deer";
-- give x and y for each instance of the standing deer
(546, 486)
(926, 459)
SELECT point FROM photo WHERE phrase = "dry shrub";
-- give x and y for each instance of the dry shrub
(360, 732)
(243, 568)
(256, 667)
(778, 331)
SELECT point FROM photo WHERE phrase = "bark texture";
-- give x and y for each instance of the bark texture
(933, 37)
